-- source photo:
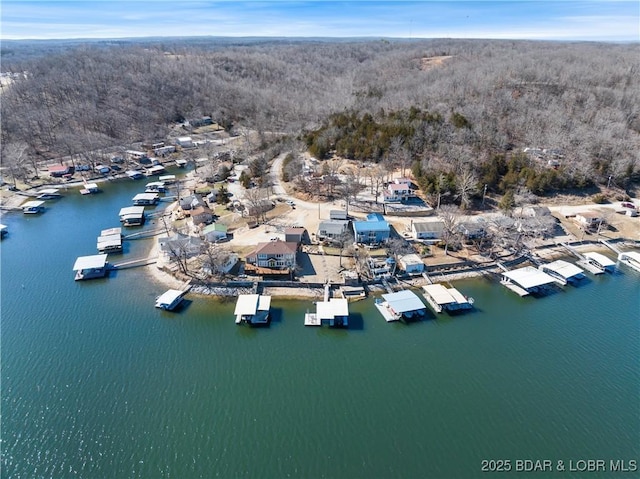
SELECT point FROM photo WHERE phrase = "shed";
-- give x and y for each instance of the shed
(294, 235)
(338, 215)
(411, 263)
(427, 229)
(185, 142)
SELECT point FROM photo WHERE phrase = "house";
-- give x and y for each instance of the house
(294, 235)
(222, 267)
(214, 232)
(184, 142)
(136, 155)
(373, 230)
(272, 257)
(402, 181)
(58, 171)
(338, 215)
(204, 121)
(332, 229)
(164, 150)
(396, 193)
(427, 230)
(191, 201)
(472, 230)
(589, 220)
(411, 263)
(201, 215)
(260, 207)
(180, 245)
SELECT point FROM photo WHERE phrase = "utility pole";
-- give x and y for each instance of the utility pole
(484, 193)
(609, 182)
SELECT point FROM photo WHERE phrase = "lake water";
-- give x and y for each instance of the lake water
(96, 382)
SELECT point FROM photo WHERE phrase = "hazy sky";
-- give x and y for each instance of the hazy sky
(599, 20)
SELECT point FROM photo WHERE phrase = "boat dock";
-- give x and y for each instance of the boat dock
(110, 243)
(253, 309)
(598, 263)
(132, 215)
(334, 312)
(171, 299)
(402, 305)
(90, 267)
(441, 298)
(527, 280)
(562, 271)
(89, 189)
(631, 259)
(145, 199)
(48, 194)
(32, 207)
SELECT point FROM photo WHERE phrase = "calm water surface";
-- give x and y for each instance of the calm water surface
(98, 383)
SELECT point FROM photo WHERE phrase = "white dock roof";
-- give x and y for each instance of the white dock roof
(600, 259)
(111, 231)
(111, 239)
(132, 210)
(247, 304)
(167, 178)
(145, 196)
(91, 186)
(3, 227)
(49, 191)
(458, 296)
(332, 308)
(264, 303)
(439, 293)
(90, 262)
(528, 277)
(633, 255)
(32, 204)
(169, 296)
(404, 301)
(564, 268)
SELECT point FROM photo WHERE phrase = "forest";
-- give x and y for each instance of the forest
(459, 114)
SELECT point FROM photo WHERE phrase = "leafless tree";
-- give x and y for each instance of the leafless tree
(450, 216)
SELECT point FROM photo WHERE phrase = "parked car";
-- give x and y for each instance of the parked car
(83, 168)
(117, 159)
(290, 203)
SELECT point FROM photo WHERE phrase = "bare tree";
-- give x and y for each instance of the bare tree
(216, 257)
(467, 182)
(257, 203)
(450, 216)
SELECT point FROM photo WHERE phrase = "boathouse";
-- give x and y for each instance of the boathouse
(142, 199)
(170, 299)
(599, 261)
(563, 271)
(48, 194)
(631, 259)
(132, 215)
(33, 207)
(111, 243)
(403, 305)
(90, 267)
(524, 281)
(442, 298)
(253, 309)
(334, 312)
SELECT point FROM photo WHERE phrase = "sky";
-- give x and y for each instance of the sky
(596, 20)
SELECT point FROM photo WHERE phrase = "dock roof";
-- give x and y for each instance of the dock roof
(90, 262)
(333, 308)
(439, 293)
(32, 204)
(600, 259)
(564, 268)
(145, 196)
(111, 231)
(169, 296)
(48, 191)
(404, 301)
(248, 304)
(131, 210)
(528, 277)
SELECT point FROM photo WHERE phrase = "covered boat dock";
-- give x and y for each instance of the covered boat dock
(334, 312)
(111, 243)
(89, 267)
(253, 309)
(145, 199)
(32, 207)
(132, 215)
(48, 194)
(631, 259)
(401, 305)
(599, 261)
(563, 271)
(170, 299)
(442, 298)
(527, 280)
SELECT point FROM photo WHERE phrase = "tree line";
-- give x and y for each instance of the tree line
(468, 117)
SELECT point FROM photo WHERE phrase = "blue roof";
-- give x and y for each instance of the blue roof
(375, 217)
(366, 226)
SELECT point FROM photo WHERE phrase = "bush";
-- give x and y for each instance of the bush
(600, 198)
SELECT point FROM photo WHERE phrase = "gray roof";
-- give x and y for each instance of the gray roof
(333, 226)
(428, 226)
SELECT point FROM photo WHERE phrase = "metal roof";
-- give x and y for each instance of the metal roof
(332, 308)
(529, 277)
(564, 268)
(90, 262)
(439, 293)
(132, 210)
(600, 259)
(404, 301)
(169, 296)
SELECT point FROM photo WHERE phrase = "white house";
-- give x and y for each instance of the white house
(185, 142)
(427, 230)
(397, 192)
(411, 263)
(589, 219)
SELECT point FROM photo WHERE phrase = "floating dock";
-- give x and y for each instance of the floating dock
(631, 259)
(32, 207)
(145, 199)
(132, 215)
(253, 309)
(134, 174)
(441, 298)
(89, 189)
(109, 243)
(3, 230)
(527, 280)
(403, 305)
(563, 271)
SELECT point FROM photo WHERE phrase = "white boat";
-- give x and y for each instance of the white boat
(170, 299)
